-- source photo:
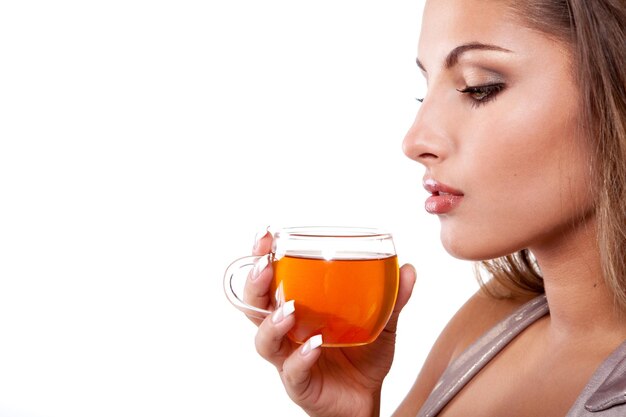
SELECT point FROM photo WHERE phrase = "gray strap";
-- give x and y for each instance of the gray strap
(605, 394)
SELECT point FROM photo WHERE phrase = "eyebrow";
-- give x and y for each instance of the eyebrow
(453, 56)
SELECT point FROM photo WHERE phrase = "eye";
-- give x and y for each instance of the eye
(482, 93)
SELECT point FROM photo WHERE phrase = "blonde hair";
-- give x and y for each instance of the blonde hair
(595, 31)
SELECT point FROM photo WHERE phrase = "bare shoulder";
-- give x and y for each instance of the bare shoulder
(478, 315)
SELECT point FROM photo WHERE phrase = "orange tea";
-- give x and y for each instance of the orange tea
(348, 301)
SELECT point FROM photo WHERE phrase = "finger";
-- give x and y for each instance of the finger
(256, 291)
(270, 341)
(262, 242)
(296, 372)
(408, 277)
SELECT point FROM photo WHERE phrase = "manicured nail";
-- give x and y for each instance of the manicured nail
(259, 266)
(312, 343)
(284, 311)
(259, 236)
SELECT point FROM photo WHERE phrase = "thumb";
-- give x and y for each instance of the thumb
(408, 276)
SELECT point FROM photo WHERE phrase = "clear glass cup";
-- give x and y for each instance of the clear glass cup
(343, 280)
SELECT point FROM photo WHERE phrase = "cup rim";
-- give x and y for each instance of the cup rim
(347, 232)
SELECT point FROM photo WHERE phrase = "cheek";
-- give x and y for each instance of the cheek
(526, 177)
(530, 146)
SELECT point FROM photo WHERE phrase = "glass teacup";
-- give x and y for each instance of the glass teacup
(343, 280)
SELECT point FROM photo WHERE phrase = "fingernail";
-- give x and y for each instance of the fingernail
(259, 266)
(312, 343)
(259, 236)
(284, 311)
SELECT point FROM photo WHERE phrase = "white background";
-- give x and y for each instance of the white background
(142, 146)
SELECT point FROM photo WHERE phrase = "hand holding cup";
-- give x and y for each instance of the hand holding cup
(346, 376)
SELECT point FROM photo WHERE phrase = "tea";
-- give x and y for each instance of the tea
(348, 300)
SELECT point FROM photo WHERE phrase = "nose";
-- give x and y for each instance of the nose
(427, 141)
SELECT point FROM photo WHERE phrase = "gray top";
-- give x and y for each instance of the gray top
(603, 396)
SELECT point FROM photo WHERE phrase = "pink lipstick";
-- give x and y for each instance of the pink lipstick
(443, 198)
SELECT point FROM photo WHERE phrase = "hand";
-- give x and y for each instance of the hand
(324, 381)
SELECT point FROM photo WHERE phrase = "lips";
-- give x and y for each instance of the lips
(443, 198)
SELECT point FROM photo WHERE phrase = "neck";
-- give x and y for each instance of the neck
(580, 303)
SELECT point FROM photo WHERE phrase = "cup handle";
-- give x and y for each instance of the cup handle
(234, 270)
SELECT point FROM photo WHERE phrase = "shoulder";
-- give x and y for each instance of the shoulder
(476, 316)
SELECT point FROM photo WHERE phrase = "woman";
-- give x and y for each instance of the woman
(523, 138)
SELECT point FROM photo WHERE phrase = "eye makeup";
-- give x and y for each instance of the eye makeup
(481, 94)
(479, 84)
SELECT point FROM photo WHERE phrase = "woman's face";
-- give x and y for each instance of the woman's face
(497, 131)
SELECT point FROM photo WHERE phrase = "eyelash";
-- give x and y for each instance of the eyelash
(486, 92)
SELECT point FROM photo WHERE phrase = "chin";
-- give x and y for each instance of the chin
(458, 248)
(473, 248)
